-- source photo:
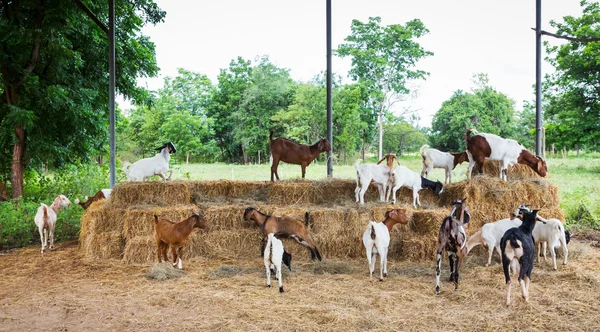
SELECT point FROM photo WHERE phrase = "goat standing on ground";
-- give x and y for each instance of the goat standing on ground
(45, 219)
(508, 151)
(376, 240)
(452, 238)
(274, 255)
(433, 158)
(168, 233)
(284, 227)
(157, 165)
(288, 151)
(404, 177)
(518, 253)
(101, 194)
(378, 174)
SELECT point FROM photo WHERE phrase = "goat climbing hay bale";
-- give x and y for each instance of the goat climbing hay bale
(519, 171)
(139, 221)
(157, 193)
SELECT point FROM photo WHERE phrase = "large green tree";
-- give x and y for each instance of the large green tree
(384, 60)
(53, 66)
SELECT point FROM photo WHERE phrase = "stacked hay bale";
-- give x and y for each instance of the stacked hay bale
(122, 227)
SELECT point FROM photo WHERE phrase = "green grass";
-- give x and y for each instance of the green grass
(578, 179)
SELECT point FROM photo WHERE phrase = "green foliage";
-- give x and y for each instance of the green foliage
(484, 109)
(401, 137)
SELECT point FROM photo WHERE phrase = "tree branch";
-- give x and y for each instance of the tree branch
(35, 52)
(582, 40)
(91, 15)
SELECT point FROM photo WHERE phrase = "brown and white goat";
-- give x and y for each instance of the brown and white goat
(288, 151)
(284, 227)
(45, 219)
(508, 151)
(433, 158)
(101, 194)
(168, 233)
(452, 238)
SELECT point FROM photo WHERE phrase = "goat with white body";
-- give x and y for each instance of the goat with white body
(45, 219)
(551, 232)
(274, 255)
(433, 158)
(157, 165)
(490, 234)
(379, 174)
(404, 177)
(376, 239)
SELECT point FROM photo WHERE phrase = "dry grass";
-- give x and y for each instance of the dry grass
(156, 193)
(515, 172)
(230, 294)
(163, 272)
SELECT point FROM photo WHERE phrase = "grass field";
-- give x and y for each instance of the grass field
(577, 177)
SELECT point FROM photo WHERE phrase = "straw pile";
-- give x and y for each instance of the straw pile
(519, 171)
(149, 193)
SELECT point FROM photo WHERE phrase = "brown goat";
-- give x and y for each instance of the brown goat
(101, 194)
(288, 151)
(168, 233)
(283, 227)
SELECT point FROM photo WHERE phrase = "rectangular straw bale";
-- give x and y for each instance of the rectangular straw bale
(224, 217)
(207, 191)
(140, 250)
(88, 220)
(220, 244)
(109, 220)
(107, 245)
(428, 222)
(328, 192)
(416, 248)
(253, 190)
(140, 221)
(158, 193)
(519, 171)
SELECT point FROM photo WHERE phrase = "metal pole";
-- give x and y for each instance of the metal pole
(329, 129)
(111, 93)
(538, 77)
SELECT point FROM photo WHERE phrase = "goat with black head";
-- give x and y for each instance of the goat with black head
(157, 165)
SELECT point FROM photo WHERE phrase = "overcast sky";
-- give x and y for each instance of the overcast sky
(467, 37)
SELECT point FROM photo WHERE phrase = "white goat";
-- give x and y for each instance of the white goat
(404, 177)
(274, 255)
(376, 240)
(45, 219)
(380, 174)
(552, 232)
(157, 165)
(490, 234)
(433, 158)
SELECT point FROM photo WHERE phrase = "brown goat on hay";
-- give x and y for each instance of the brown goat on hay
(101, 194)
(176, 235)
(284, 227)
(288, 151)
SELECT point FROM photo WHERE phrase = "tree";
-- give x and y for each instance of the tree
(383, 59)
(53, 65)
(401, 136)
(484, 109)
(571, 94)
(189, 133)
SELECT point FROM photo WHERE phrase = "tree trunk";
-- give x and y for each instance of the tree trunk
(259, 157)
(245, 155)
(18, 163)
(564, 153)
(578, 147)
(3, 197)
(380, 136)
(552, 149)
(187, 158)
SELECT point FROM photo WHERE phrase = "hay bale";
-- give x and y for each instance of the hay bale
(219, 244)
(88, 221)
(108, 245)
(324, 192)
(163, 272)
(157, 193)
(519, 171)
(208, 191)
(254, 190)
(139, 221)
(418, 248)
(140, 250)
(428, 222)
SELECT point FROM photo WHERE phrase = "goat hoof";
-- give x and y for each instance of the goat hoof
(554, 268)
(281, 290)
(385, 275)
(268, 286)
(381, 279)
(437, 290)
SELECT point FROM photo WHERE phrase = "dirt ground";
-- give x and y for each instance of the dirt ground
(62, 291)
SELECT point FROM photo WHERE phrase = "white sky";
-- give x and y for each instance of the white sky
(467, 37)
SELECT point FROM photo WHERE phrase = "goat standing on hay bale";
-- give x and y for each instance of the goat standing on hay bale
(376, 239)
(508, 151)
(288, 151)
(284, 227)
(275, 254)
(168, 233)
(101, 194)
(157, 165)
(452, 238)
(404, 177)
(45, 219)
(378, 174)
(433, 158)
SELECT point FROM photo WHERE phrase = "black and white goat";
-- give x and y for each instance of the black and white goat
(404, 177)
(274, 256)
(157, 165)
(518, 253)
(452, 238)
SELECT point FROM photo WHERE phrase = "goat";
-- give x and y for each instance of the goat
(379, 174)
(284, 227)
(452, 238)
(376, 240)
(288, 151)
(508, 151)
(490, 234)
(433, 158)
(518, 253)
(274, 255)
(101, 194)
(404, 177)
(157, 165)
(45, 219)
(168, 233)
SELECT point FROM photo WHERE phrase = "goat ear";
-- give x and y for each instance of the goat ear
(464, 199)
(387, 214)
(382, 159)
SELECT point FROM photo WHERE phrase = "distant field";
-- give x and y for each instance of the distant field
(578, 178)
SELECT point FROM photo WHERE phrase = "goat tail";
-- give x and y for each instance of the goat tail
(372, 231)
(45, 213)
(423, 148)
(271, 136)
(155, 219)
(468, 134)
(356, 164)
(306, 218)
(514, 243)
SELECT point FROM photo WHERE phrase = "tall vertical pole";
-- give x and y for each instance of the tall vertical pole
(538, 77)
(329, 73)
(111, 93)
